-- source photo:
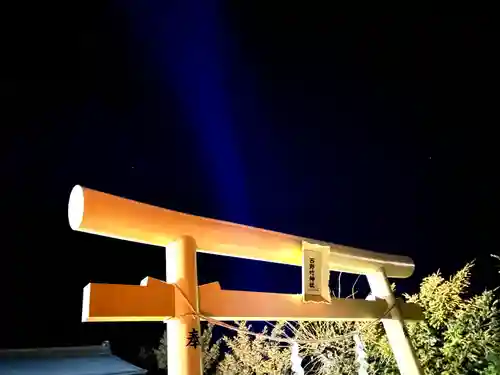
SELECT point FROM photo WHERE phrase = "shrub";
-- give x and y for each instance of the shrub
(249, 355)
(458, 335)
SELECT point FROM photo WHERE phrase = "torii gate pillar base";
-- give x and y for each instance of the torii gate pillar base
(184, 358)
(399, 341)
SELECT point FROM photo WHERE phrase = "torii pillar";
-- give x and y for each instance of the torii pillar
(181, 271)
(404, 353)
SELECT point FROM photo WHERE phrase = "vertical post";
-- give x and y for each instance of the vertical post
(183, 332)
(404, 353)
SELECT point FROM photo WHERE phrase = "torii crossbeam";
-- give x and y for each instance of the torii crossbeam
(180, 301)
(154, 301)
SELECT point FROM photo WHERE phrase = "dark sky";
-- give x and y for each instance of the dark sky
(375, 132)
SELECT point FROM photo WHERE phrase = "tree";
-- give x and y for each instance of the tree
(245, 355)
(328, 357)
(250, 355)
(457, 336)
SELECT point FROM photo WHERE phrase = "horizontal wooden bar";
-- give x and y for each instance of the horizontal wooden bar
(241, 305)
(103, 214)
(127, 303)
(154, 301)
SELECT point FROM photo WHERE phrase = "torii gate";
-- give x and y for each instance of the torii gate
(178, 300)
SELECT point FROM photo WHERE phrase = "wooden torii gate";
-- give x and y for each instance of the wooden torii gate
(179, 300)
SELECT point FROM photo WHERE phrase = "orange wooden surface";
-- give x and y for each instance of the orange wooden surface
(99, 213)
(132, 303)
(127, 303)
(183, 359)
(236, 305)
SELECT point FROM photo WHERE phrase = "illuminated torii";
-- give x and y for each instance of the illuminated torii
(180, 301)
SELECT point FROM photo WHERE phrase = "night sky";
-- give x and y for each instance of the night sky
(373, 132)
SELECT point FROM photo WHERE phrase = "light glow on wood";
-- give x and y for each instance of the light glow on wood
(232, 305)
(400, 343)
(187, 359)
(108, 302)
(103, 214)
(127, 303)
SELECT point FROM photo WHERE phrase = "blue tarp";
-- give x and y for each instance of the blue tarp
(87, 360)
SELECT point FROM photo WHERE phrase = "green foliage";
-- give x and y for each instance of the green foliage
(493, 365)
(210, 350)
(246, 355)
(250, 355)
(457, 336)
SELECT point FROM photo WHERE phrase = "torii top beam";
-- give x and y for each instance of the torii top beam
(99, 213)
